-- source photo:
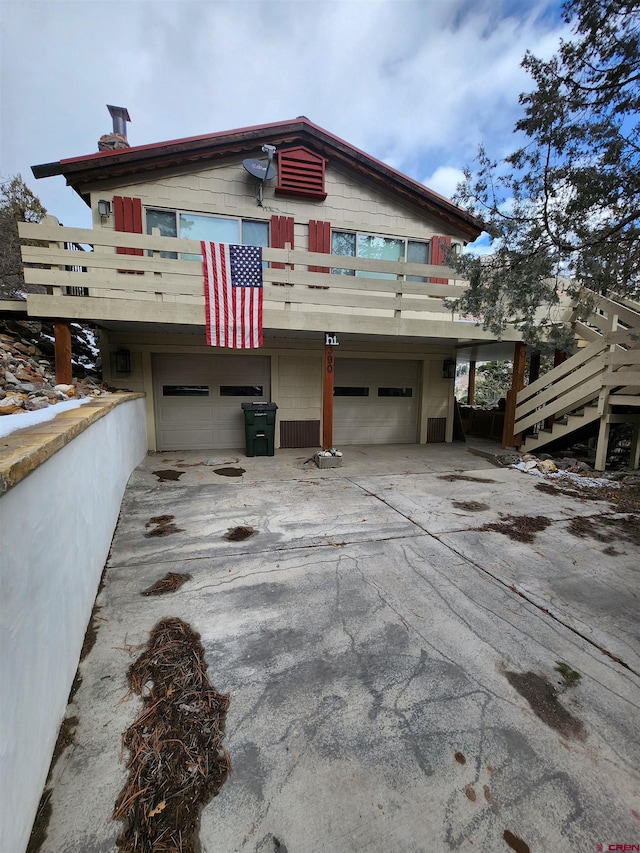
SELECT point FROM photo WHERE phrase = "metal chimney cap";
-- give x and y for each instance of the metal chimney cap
(119, 112)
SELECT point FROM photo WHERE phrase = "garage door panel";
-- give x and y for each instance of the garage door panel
(374, 419)
(198, 399)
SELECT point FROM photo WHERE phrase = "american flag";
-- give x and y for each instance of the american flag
(233, 295)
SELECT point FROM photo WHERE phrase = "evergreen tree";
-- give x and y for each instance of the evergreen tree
(567, 202)
(17, 204)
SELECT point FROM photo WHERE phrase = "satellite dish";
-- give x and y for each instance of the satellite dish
(261, 171)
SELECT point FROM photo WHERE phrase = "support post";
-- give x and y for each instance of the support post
(634, 454)
(603, 443)
(327, 391)
(62, 351)
(559, 357)
(509, 439)
(534, 367)
(604, 409)
(471, 389)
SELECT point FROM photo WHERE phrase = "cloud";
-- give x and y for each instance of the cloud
(416, 83)
(445, 180)
(482, 246)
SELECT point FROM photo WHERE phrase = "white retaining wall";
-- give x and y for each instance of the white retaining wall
(56, 527)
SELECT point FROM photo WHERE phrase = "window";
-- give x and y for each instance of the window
(197, 226)
(350, 391)
(395, 392)
(378, 248)
(241, 391)
(185, 390)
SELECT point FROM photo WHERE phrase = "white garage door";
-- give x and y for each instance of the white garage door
(198, 397)
(375, 402)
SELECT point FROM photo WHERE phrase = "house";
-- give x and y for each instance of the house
(360, 342)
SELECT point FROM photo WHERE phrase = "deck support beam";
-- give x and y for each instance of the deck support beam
(328, 375)
(517, 384)
(62, 352)
(471, 390)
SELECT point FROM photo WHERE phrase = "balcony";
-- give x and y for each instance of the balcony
(371, 296)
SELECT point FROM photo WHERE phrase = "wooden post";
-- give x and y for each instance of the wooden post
(604, 409)
(534, 367)
(327, 391)
(534, 373)
(634, 454)
(509, 439)
(471, 390)
(602, 446)
(559, 357)
(62, 350)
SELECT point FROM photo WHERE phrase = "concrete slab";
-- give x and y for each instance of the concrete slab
(595, 594)
(461, 500)
(371, 703)
(315, 512)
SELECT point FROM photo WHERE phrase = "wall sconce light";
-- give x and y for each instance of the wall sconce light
(449, 368)
(123, 360)
(104, 208)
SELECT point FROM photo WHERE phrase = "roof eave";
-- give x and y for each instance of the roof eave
(103, 165)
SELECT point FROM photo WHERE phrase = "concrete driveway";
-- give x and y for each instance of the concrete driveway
(389, 663)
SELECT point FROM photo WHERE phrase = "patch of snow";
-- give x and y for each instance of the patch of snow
(12, 423)
(576, 479)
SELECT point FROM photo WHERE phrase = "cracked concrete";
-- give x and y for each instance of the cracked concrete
(364, 633)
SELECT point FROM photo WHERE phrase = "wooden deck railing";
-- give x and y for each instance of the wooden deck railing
(150, 278)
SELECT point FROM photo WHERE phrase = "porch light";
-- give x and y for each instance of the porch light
(449, 368)
(104, 208)
(123, 360)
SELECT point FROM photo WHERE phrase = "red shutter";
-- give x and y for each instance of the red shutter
(319, 241)
(281, 233)
(127, 213)
(440, 248)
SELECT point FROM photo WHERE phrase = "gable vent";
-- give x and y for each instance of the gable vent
(301, 173)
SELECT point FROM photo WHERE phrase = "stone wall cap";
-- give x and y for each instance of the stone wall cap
(23, 451)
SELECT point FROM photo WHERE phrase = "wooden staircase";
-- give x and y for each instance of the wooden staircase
(599, 383)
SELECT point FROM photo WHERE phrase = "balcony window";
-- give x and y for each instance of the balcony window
(417, 253)
(196, 226)
(377, 247)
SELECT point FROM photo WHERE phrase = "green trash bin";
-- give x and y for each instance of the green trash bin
(259, 428)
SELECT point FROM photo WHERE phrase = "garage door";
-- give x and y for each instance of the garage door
(198, 397)
(375, 402)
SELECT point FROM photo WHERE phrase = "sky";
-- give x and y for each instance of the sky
(419, 84)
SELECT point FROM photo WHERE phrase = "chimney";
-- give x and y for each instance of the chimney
(118, 138)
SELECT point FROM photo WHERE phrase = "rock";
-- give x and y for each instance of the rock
(11, 404)
(10, 378)
(565, 463)
(36, 403)
(530, 464)
(508, 458)
(547, 466)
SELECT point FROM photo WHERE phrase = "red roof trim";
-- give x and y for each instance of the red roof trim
(188, 147)
(155, 146)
